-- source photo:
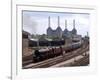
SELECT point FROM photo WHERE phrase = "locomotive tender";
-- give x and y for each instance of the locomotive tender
(43, 54)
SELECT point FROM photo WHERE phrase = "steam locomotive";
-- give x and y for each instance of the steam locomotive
(43, 54)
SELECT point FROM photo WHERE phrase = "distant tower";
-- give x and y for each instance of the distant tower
(74, 31)
(49, 30)
(59, 30)
(87, 34)
(49, 21)
(65, 32)
(58, 21)
(65, 27)
(65, 24)
(74, 23)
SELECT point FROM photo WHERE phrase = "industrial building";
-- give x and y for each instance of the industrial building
(58, 32)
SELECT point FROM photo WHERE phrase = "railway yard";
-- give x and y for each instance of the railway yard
(55, 48)
(73, 57)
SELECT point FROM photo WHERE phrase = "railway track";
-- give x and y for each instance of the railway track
(56, 60)
(76, 61)
(82, 62)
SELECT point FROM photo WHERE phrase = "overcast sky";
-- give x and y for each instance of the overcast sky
(37, 22)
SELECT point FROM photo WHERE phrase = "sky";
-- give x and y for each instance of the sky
(37, 22)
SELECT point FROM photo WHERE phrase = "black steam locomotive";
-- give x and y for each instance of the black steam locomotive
(43, 54)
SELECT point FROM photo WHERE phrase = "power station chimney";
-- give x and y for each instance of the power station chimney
(87, 34)
(74, 23)
(65, 24)
(58, 21)
(49, 21)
